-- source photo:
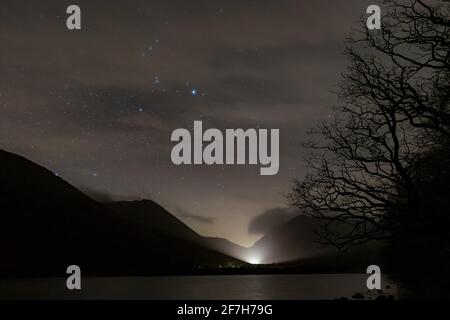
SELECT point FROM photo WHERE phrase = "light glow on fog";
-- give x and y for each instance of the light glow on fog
(254, 260)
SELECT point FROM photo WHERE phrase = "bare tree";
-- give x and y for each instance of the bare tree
(393, 108)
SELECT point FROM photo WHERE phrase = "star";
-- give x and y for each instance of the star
(194, 92)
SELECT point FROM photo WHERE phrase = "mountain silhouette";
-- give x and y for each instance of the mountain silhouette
(297, 242)
(47, 225)
(294, 240)
(156, 218)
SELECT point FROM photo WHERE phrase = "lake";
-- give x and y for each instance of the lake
(235, 287)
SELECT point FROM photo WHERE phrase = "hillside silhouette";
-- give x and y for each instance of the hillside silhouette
(294, 245)
(154, 217)
(47, 224)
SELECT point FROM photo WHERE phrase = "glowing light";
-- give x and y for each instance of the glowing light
(254, 260)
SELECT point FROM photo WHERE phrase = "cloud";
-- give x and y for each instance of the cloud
(104, 196)
(271, 219)
(198, 218)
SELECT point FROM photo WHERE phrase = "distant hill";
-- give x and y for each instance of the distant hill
(294, 240)
(296, 243)
(47, 224)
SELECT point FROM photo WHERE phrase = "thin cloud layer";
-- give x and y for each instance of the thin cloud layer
(98, 106)
(270, 219)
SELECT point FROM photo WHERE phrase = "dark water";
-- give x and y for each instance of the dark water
(324, 286)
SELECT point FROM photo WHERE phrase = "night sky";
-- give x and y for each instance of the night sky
(97, 106)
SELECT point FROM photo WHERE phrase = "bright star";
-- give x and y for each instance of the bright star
(194, 92)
